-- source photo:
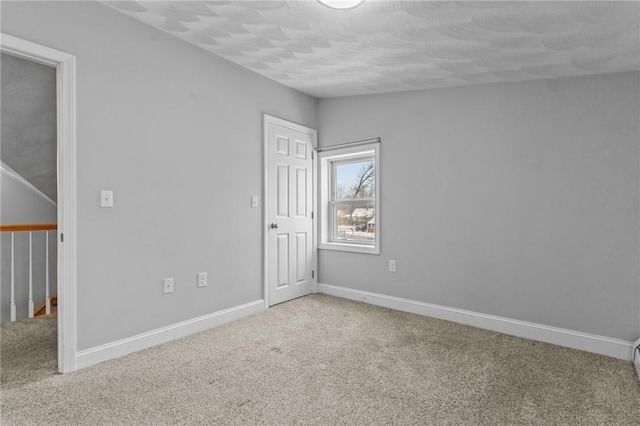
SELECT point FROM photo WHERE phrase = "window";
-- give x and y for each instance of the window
(349, 198)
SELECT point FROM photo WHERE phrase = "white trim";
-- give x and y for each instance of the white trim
(21, 180)
(314, 154)
(293, 126)
(65, 65)
(636, 356)
(349, 144)
(266, 120)
(95, 355)
(615, 348)
(352, 248)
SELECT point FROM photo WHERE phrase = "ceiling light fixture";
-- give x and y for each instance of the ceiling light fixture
(341, 4)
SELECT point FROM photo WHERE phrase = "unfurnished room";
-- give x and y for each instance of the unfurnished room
(320, 212)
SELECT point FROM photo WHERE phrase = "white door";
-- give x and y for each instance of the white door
(289, 205)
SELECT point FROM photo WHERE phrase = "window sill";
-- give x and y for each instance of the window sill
(353, 248)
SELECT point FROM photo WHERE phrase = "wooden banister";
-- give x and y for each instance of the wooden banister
(42, 310)
(29, 227)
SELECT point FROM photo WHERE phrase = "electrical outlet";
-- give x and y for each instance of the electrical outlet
(202, 279)
(392, 265)
(167, 285)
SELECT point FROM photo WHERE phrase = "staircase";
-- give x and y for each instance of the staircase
(42, 310)
(28, 257)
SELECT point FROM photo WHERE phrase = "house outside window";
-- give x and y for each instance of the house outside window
(349, 198)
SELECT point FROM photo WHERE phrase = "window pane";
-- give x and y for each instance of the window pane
(355, 180)
(355, 222)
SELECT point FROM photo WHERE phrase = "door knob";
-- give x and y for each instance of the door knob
(274, 226)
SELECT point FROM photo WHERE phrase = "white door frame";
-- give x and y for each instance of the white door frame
(269, 119)
(65, 65)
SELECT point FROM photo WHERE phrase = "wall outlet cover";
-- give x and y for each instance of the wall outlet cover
(202, 279)
(167, 285)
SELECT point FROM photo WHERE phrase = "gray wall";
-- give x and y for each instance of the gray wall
(518, 199)
(176, 133)
(19, 204)
(29, 121)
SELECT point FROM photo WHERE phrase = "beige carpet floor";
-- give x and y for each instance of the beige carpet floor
(324, 360)
(28, 351)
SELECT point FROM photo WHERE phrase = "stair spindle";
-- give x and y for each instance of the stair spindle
(47, 299)
(30, 275)
(13, 279)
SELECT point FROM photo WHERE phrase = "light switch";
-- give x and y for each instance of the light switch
(106, 198)
(254, 201)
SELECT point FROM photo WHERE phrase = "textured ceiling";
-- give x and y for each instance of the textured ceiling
(388, 46)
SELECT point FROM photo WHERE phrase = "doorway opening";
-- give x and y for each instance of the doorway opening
(64, 240)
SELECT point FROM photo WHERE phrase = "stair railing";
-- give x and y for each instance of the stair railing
(31, 228)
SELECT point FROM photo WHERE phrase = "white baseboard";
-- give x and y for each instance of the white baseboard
(126, 346)
(615, 348)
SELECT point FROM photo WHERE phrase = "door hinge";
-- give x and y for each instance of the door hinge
(61, 237)
(311, 215)
(313, 274)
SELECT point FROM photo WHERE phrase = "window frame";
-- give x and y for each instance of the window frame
(334, 202)
(328, 160)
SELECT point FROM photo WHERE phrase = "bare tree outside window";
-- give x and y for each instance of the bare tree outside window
(354, 208)
(365, 186)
